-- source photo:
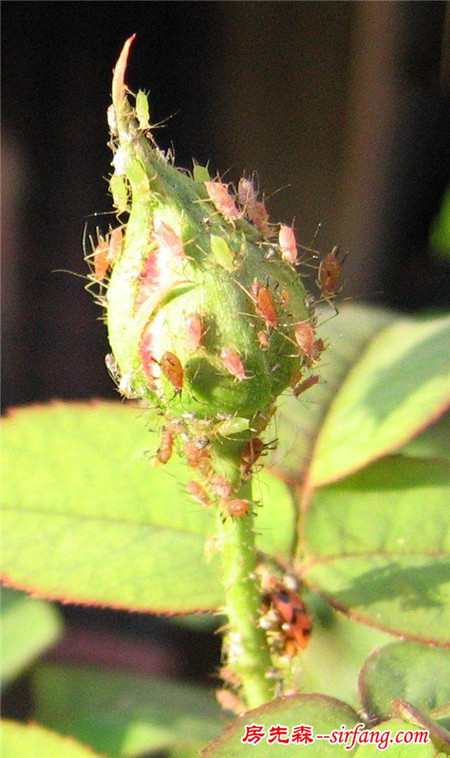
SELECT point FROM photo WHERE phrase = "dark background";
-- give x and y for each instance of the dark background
(347, 103)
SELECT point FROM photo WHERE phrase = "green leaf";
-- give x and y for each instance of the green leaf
(400, 384)
(87, 519)
(299, 420)
(337, 649)
(371, 398)
(408, 671)
(377, 546)
(29, 627)
(433, 442)
(124, 714)
(32, 741)
(384, 737)
(323, 714)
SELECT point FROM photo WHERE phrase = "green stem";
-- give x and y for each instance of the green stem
(245, 646)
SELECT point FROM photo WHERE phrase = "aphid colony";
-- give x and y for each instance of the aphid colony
(214, 487)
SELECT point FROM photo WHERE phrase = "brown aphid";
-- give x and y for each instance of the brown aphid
(285, 299)
(263, 302)
(232, 362)
(258, 215)
(164, 452)
(173, 371)
(328, 274)
(220, 486)
(305, 385)
(194, 331)
(263, 339)
(222, 200)
(250, 454)
(198, 493)
(237, 508)
(304, 335)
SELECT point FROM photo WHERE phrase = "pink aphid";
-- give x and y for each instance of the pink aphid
(194, 331)
(198, 493)
(115, 245)
(232, 363)
(304, 335)
(101, 263)
(222, 200)
(221, 486)
(247, 194)
(149, 364)
(168, 240)
(288, 244)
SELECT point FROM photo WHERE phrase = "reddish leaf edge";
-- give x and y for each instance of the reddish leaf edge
(56, 597)
(255, 713)
(362, 619)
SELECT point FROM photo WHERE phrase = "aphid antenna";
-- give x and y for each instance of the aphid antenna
(316, 233)
(275, 192)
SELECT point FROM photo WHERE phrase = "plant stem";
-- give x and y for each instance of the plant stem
(245, 646)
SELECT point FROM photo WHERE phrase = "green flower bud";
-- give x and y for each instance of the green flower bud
(203, 307)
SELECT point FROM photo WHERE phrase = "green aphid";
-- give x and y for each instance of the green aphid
(200, 173)
(222, 253)
(119, 192)
(142, 110)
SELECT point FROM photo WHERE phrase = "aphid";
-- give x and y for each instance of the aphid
(198, 493)
(285, 299)
(220, 486)
(200, 173)
(230, 702)
(142, 110)
(119, 192)
(149, 363)
(287, 243)
(255, 209)
(173, 371)
(115, 245)
(305, 385)
(222, 200)
(199, 458)
(247, 193)
(101, 264)
(263, 339)
(263, 302)
(164, 452)
(168, 241)
(296, 622)
(237, 508)
(328, 274)
(250, 454)
(194, 331)
(222, 253)
(258, 215)
(304, 335)
(232, 362)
